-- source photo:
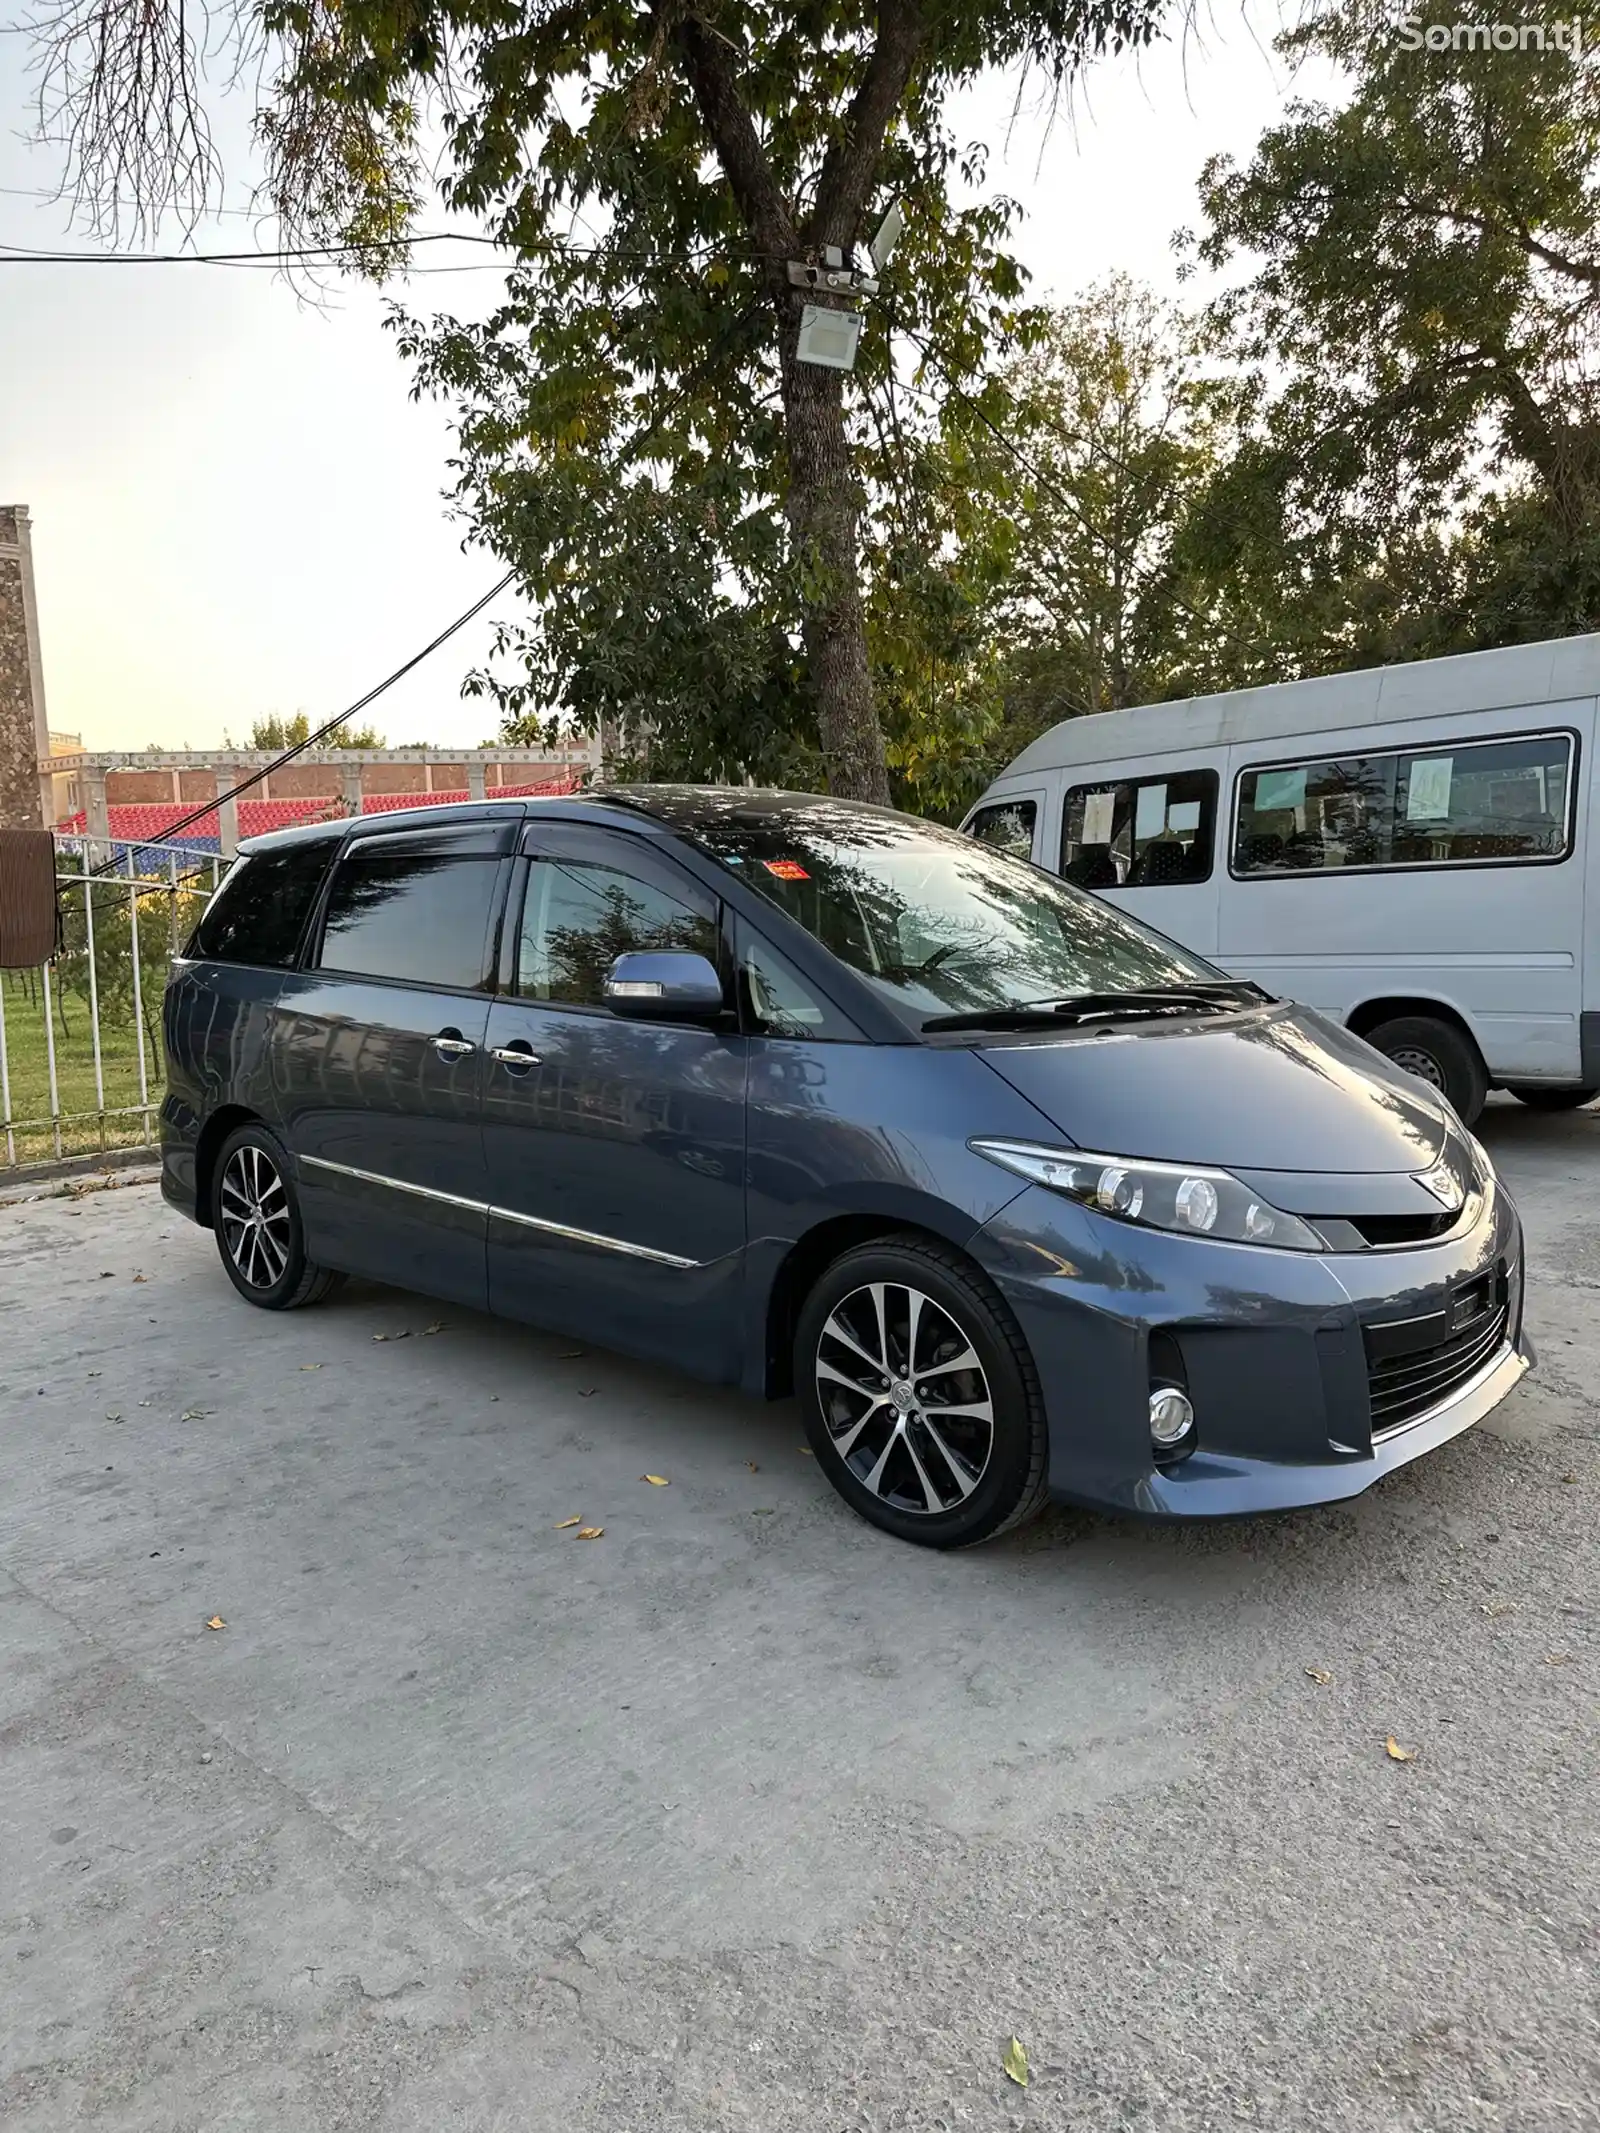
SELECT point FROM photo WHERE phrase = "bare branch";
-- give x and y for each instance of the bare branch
(120, 90)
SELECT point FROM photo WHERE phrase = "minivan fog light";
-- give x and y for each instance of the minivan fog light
(1171, 1416)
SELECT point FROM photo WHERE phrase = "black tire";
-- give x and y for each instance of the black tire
(266, 1259)
(971, 1500)
(1539, 1098)
(1436, 1052)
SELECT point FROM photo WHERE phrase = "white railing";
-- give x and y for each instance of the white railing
(80, 1037)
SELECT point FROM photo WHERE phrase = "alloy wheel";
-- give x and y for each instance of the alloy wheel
(905, 1397)
(253, 1207)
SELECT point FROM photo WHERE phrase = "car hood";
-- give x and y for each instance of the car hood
(1273, 1088)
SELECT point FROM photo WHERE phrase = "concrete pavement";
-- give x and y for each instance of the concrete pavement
(743, 1815)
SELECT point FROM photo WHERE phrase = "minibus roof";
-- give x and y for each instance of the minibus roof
(1551, 672)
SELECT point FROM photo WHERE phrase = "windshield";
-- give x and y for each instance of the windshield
(938, 923)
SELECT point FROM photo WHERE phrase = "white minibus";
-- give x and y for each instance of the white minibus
(1407, 849)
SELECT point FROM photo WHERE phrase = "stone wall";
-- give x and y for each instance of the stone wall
(24, 736)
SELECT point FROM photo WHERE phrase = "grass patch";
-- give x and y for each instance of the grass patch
(85, 1127)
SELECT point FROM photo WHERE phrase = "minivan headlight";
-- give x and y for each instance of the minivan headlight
(1191, 1200)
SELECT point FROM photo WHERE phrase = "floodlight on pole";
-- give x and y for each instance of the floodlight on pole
(828, 337)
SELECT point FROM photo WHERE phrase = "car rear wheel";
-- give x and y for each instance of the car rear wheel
(920, 1397)
(256, 1216)
(1538, 1098)
(1436, 1052)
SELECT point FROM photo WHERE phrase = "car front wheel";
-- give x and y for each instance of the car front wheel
(256, 1216)
(920, 1398)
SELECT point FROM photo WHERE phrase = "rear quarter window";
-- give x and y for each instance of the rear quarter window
(259, 914)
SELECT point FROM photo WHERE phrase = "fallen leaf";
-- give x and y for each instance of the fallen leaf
(656, 1481)
(805, 1451)
(571, 1355)
(403, 1335)
(1570, 1479)
(310, 1366)
(750, 1463)
(565, 1523)
(108, 1276)
(94, 1373)
(1498, 1607)
(1015, 2064)
(1556, 1658)
(194, 1414)
(587, 1392)
(436, 1327)
(1319, 1675)
(764, 1510)
(141, 1277)
(1397, 1754)
(216, 1622)
(590, 1533)
(380, 1336)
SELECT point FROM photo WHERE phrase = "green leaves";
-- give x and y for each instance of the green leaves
(1424, 318)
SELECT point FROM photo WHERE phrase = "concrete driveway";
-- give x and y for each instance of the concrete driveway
(743, 1815)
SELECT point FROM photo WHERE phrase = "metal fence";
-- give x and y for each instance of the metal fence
(80, 1038)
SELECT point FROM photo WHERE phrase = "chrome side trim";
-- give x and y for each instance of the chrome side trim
(505, 1214)
(374, 1177)
(590, 1236)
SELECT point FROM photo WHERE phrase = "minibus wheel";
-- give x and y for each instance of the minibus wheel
(1438, 1053)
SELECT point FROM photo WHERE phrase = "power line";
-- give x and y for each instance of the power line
(519, 252)
(22, 254)
(257, 777)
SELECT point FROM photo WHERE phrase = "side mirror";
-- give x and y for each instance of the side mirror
(664, 985)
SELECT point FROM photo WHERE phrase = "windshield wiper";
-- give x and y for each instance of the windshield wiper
(1134, 1005)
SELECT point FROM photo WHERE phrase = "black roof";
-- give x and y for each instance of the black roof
(684, 808)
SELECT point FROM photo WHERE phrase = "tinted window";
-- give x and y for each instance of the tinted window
(577, 918)
(1008, 826)
(1502, 800)
(1140, 833)
(260, 912)
(414, 914)
(936, 921)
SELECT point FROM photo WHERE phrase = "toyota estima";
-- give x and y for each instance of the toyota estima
(1020, 1198)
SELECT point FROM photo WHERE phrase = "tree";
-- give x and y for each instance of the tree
(698, 146)
(1119, 421)
(276, 732)
(1424, 325)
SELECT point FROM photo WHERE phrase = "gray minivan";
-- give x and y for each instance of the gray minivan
(1021, 1198)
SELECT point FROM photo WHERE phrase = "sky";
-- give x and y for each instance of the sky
(238, 507)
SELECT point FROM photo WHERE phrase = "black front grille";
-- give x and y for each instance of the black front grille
(1403, 1229)
(1402, 1387)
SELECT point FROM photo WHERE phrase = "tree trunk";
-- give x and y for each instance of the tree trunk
(824, 509)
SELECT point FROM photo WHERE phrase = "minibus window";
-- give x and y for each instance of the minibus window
(1465, 802)
(1007, 827)
(1140, 833)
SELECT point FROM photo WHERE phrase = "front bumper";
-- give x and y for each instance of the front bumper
(1279, 1350)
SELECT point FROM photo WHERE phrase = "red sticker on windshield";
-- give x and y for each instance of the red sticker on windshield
(786, 869)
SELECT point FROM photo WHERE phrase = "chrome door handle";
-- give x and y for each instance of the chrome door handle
(514, 1055)
(452, 1047)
